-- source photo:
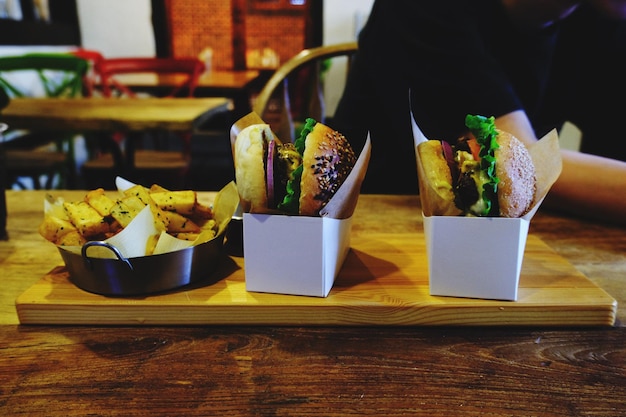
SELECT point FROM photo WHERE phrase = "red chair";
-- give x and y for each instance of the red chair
(154, 162)
(91, 79)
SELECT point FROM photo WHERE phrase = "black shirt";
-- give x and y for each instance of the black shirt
(456, 58)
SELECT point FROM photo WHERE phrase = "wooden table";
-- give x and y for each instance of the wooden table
(317, 370)
(96, 114)
(236, 85)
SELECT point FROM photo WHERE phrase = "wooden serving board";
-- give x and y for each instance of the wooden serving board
(384, 281)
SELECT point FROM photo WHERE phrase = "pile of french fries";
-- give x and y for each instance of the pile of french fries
(98, 216)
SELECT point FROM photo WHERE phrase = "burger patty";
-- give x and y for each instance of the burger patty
(466, 191)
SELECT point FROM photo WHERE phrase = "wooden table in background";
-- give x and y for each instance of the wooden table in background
(315, 370)
(236, 85)
(97, 114)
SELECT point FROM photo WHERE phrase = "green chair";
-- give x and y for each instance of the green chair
(41, 156)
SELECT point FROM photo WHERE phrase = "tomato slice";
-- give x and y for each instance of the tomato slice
(474, 148)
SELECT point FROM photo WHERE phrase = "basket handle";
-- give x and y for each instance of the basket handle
(112, 248)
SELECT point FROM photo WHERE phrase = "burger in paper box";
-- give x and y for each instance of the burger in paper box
(478, 195)
(300, 195)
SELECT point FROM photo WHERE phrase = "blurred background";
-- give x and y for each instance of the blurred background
(233, 35)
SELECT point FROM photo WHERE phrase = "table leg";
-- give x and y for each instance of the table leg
(129, 150)
(4, 235)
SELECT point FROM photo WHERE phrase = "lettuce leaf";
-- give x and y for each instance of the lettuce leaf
(484, 130)
(291, 201)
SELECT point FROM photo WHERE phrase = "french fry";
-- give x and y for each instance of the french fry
(139, 191)
(154, 188)
(202, 211)
(144, 195)
(100, 201)
(53, 228)
(114, 228)
(134, 203)
(181, 202)
(72, 238)
(177, 223)
(86, 219)
(123, 212)
(151, 244)
(98, 216)
(209, 224)
(187, 236)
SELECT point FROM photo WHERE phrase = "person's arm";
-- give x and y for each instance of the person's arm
(589, 186)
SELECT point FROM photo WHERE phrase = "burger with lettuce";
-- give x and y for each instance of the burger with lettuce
(290, 178)
(487, 172)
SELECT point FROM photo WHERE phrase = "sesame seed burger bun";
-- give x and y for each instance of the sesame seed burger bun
(302, 176)
(327, 161)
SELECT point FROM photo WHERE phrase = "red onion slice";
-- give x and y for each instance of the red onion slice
(447, 152)
(449, 156)
(269, 173)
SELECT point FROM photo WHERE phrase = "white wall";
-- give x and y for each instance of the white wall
(343, 19)
(117, 28)
(342, 22)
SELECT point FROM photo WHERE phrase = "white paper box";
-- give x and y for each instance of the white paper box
(297, 255)
(481, 257)
(475, 257)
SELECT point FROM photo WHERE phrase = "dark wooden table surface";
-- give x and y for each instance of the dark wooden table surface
(315, 371)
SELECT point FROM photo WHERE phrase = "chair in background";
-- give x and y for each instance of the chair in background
(47, 159)
(296, 90)
(154, 160)
(183, 72)
(93, 58)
